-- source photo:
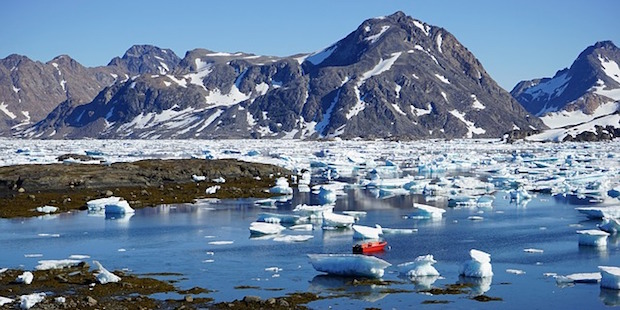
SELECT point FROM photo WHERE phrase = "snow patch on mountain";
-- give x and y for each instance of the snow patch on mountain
(551, 88)
(610, 68)
(382, 66)
(471, 126)
(477, 104)
(235, 96)
(558, 135)
(439, 40)
(600, 89)
(419, 112)
(375, 37)
(442, 78)
(3, 108)
(425, 28)
(318, 57)
(566, 118)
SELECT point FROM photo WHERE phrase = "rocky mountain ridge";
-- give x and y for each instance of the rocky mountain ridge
(392, 77)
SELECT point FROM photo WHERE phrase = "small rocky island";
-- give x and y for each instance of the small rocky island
(68, 186)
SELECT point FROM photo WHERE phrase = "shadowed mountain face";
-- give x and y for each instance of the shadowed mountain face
(392, 77)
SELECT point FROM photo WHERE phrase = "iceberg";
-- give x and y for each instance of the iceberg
(120, 207)
(610, 277)
(47, 209)
(293, 238)
(600, 212)
(611, 226)
(4, 300)
(302, 227)
(422, 211)
(99, 204)
(279, 218)
(219, 180)
(420, 267)
(591, 277)
(25, 278)
(593, 237)
(313, 211)
(326, 196)
(28, 301)
(281, 187)
(337, 220)
(212, 189)
(479, 266)
(57, 264)
(306, 176)
(349, 264)
(198, 178)
(366, 232)
(263, 228)
(104, 276)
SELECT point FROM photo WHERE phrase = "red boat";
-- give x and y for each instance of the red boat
(368, 247)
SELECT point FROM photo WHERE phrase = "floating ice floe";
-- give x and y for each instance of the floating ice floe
(397, 231)
(515, 271)
(25, 277)
(313, 211)
(212, 189)
(530, 250)
(610, 277)
(590, 277)
(327, 196)
(302, 227)
(104, 276)
(293, 238)
(99, 204)
(57, 264)
(349, 264)
(264, 228)
(600, 212)
(47, 209)
(475, 218)
(198, 178)
(479, 266)
(279, 218)
(593, 237)
(422, 211)
(337, 220)
(611, 226)
(120, 207)
(28, 301)
(281, 187)
(422, 266)
(367, 232)
(306, 176)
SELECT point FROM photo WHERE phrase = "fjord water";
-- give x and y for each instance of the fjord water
(208, 244)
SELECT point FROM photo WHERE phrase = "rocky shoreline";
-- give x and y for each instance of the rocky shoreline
(143, 183)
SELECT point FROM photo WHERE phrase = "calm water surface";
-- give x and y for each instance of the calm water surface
(209, 244)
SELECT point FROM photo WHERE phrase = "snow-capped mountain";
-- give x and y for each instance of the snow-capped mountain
(393, 77)
(581, 102)
(30, 90)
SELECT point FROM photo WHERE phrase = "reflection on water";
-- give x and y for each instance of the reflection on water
(424, 283)
(610, 297)
(338, 285)
(478, 286)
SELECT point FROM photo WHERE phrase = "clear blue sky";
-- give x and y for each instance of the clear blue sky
(514, 39)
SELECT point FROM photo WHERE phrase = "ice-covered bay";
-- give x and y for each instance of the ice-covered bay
(183, 238)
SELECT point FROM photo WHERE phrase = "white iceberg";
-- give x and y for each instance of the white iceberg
(25, 278)
(349, 264)
(337, 220)
(313, 211)
(4, 300)
(366, 232)
(28, 301)
(593, 237)
(600, 212)
(99, 204)
(219, 180)
(47, 209)
(279, 218)
(120, 207)
(479, 266)
(264, 228)
(293, 238)
(281, 187)
(212, 189)
(589, 277)
(302, 227)
(326, 195)
(422, 211)
(57, 264)
(198, 178)
(611, 226)
(306, 176)
(610, 277)
(104, 276)
(422, 266)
